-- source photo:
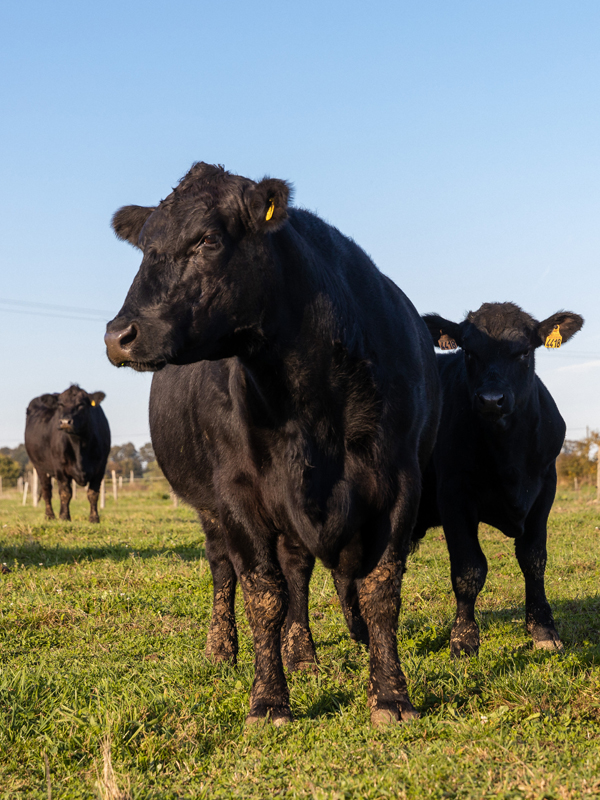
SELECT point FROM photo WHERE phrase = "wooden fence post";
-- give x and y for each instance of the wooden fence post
(174, 498)
(102, 494)
(114, 483)
(120, 482)
(20, 483)
(26, 486)
(131, 477)
(34, 488)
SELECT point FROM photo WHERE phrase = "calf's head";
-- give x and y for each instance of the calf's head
(207, 275)
(498, 344)
(73, 408)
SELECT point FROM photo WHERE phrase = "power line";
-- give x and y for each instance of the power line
(49, 310)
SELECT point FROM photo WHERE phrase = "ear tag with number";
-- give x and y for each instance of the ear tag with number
(554, 339)
(446, 343)
(93, 402)
(270, 210)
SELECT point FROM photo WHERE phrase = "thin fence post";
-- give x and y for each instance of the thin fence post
(20, 483)
(34, 488)
(174, 498)
(576, 484)
(114, 483)
(26, 486)
(120, 482)
(131, 477)
(102, 494)
(74, 489)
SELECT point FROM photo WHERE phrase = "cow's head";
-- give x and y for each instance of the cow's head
(73, 408)
(207, 275)
(498, 343)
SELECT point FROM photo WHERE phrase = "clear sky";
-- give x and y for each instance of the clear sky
(457, 142)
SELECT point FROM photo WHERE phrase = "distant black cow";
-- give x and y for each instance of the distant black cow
(67, 437)
(494, 460)
(282, 412)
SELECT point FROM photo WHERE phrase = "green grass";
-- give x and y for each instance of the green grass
(102, 636)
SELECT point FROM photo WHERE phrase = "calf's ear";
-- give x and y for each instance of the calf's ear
(96, 398)
(568, 325)
(267, 204)
(49, 400)
(445, 334)
(128, 222)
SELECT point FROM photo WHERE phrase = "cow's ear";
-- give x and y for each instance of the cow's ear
(96, 398)
(568, 324)
(128, 222)
(267, 204)
(50, 400)
(446, 335)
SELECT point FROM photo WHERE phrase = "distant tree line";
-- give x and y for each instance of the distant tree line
(123, 459)
(579, 458)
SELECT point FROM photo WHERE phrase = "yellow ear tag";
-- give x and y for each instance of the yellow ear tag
(270, 210)
(446, 343)
(93, 402)
(554, 339)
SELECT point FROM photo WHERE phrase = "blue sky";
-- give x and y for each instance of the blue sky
(457, 142)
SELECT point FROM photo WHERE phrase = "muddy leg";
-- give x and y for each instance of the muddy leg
(379, 600)
(297, 646)
(222, 641)
(531, 554)
(93, 494)
(46, 484)
(265, 598)
(65, 491)
(468, 567)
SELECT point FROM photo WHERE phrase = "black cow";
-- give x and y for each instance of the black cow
(67, 437)
(281, 412)
(494, 460)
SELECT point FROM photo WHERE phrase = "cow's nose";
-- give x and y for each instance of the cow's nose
(490, 402)
(119, 343)
(65, 424)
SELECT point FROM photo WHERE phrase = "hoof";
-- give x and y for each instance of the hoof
(277, 716)
(549, 644)
(382, 717)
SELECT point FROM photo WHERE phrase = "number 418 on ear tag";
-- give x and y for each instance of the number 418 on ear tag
(554, 339)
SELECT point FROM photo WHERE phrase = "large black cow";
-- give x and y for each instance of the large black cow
(67, 437)
(281, 411)
(494, 459)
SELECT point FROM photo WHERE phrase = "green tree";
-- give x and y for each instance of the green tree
(579, 458)
(124, 458)
(9, 470)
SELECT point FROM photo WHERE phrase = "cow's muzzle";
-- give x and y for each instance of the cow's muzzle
(119, 344)
(66, 425)
(492, 405)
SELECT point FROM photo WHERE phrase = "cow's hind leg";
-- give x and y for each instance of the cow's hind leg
(66, 493)
(93, 494)
(530, 550)
(297, 646)
(46, 484)
(468, 568)
(222, 639)
(379, 600)
(347, 591)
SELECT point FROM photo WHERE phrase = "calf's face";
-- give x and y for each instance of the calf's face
(498, 343)
(207, 274)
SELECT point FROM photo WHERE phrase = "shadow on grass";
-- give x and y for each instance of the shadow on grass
(33, 552)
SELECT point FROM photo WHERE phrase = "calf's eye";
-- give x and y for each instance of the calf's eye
(210, 239)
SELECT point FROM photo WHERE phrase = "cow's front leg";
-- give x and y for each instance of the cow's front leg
(265, 599)
(531, 553)
(46, 484)
(65, 492)
(222, 639)
(379, 600)
(297, 645)
(468, 569)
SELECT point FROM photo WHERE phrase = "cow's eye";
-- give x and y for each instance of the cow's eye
(523, 357)
(210, 240)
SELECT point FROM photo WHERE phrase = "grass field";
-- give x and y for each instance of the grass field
(105, 691)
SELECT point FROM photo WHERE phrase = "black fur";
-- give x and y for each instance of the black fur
(67, 437)
(494, 459)
(281, 411)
